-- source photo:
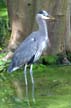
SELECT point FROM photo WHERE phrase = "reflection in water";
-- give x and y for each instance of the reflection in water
(18, 88)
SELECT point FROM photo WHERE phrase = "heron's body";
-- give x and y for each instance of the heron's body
(31, 48)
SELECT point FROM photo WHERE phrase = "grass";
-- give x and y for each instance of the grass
(52, 88)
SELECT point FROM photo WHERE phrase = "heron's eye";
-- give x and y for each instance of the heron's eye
(41, 12)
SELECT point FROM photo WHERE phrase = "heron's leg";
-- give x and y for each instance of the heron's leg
(26, 83)
(31, 74)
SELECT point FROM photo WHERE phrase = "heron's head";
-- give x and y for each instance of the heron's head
(44, 15)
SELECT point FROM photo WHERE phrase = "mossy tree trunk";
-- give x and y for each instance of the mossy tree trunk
(22, 20)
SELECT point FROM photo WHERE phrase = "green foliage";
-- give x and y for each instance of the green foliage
(3, 64)
(48, 60)
(3, 31)
(2, 3)
(3, 23)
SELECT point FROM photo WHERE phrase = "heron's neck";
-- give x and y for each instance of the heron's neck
(42, 27)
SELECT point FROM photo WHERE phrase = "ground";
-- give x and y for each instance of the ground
(52, 87)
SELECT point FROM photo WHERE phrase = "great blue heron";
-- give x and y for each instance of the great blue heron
(31, 48)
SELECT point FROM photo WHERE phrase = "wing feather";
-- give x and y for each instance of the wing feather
(25, 52)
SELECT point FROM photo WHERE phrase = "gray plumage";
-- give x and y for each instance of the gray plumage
(32, 47)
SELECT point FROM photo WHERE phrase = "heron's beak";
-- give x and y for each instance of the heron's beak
(48, 17)
(51, 18)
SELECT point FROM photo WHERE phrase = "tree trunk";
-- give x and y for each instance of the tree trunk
(22, 20)
(57, 30)
(68, 29)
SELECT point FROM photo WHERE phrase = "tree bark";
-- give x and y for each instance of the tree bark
(21, 18)
(58, 28)
(68, 29)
